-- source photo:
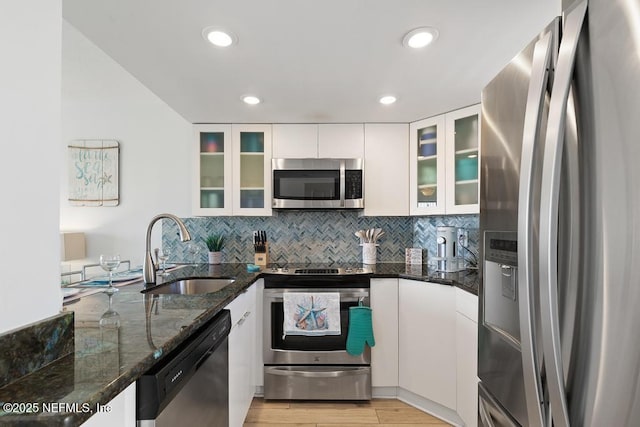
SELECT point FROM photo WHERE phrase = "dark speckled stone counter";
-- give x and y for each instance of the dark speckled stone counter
(106, 360)
(466, 279)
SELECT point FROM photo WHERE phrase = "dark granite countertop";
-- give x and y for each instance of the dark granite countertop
(466, 279)
(105, 362)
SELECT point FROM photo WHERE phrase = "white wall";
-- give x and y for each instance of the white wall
(101, 100)
(29, 164)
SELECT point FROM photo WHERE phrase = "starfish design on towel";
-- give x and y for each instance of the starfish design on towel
(311, 317)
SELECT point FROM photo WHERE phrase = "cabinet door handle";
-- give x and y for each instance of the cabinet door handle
(244, 317)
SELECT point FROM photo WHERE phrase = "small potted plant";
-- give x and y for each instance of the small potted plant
(215, 243)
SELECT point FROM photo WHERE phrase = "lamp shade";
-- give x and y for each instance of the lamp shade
(72, 246)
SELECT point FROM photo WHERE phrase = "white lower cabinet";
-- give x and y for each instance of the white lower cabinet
(427, 343)
(120, 411)
(242, 340)
(384, 355)
(467, 357)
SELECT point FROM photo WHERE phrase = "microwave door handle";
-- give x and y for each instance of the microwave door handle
(549, 208)
(530, 140)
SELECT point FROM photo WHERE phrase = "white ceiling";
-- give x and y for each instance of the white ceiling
(311, 61)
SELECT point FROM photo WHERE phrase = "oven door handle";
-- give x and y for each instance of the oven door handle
(342, 299)
(346, 296)
(342, 372)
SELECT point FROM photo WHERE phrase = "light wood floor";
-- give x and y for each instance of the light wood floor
(378, 412)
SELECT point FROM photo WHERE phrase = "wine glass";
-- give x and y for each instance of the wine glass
(163, 256)
(194, 252)
(110, 318)
(110, 263)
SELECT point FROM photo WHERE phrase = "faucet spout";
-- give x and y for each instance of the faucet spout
(149, 268)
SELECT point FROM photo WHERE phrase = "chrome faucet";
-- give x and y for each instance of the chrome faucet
(149, 268)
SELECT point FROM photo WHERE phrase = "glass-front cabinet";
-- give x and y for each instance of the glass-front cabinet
(232, 170)
(213, 170)
(463, 158)
(427, 166)
(252, 169)
(444, 156)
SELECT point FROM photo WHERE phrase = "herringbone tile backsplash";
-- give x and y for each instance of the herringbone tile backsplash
(313, 237)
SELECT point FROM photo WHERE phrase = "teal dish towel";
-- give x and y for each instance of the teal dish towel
(360, 330)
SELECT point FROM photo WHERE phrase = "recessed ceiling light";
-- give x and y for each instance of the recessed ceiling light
(387, 99)
(251, 100)
(420, 37)
(219, 37)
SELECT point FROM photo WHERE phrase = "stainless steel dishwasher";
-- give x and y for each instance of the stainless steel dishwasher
(192, 386)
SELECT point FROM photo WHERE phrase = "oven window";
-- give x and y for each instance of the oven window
(308, 343)
(306, 184)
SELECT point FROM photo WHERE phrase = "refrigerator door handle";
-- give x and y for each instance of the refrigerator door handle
(549, 204)
(541, 63)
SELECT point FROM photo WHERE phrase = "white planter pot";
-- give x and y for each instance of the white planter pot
(215, 257)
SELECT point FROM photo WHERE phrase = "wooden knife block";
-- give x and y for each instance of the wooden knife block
(262, 258)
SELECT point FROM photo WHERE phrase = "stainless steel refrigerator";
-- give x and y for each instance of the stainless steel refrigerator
(559, 323)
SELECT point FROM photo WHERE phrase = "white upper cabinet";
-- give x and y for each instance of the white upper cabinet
(463, 156)
(295, 141)
(212, 170)
(427, 166)
(341, 141)
(444, 154)
(311, 141)
(386, 175)
(232, 170)
(251, 170)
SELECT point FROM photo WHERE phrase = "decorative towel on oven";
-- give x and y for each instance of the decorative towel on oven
(360, 330)
(311, 313)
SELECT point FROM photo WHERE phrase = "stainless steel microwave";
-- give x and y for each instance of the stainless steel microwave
(317, 183)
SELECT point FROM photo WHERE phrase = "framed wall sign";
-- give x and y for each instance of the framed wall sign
(93, 172)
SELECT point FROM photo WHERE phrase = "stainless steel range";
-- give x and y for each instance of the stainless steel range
(314, 367)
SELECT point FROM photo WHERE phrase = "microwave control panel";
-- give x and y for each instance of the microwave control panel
(353, 184)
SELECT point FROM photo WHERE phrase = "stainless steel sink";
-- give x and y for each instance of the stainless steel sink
(191, 286)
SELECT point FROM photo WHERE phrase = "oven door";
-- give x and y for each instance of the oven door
(310, 350)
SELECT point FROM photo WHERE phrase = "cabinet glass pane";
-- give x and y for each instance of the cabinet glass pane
(212, 199)
(252, 198)
(251, 171)
(427, 166)
(211, 170)
(467, 166)
(466, 193)
(466, 160)
(252, 142)
(466, 136)
(212, 142)
(427, 141)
